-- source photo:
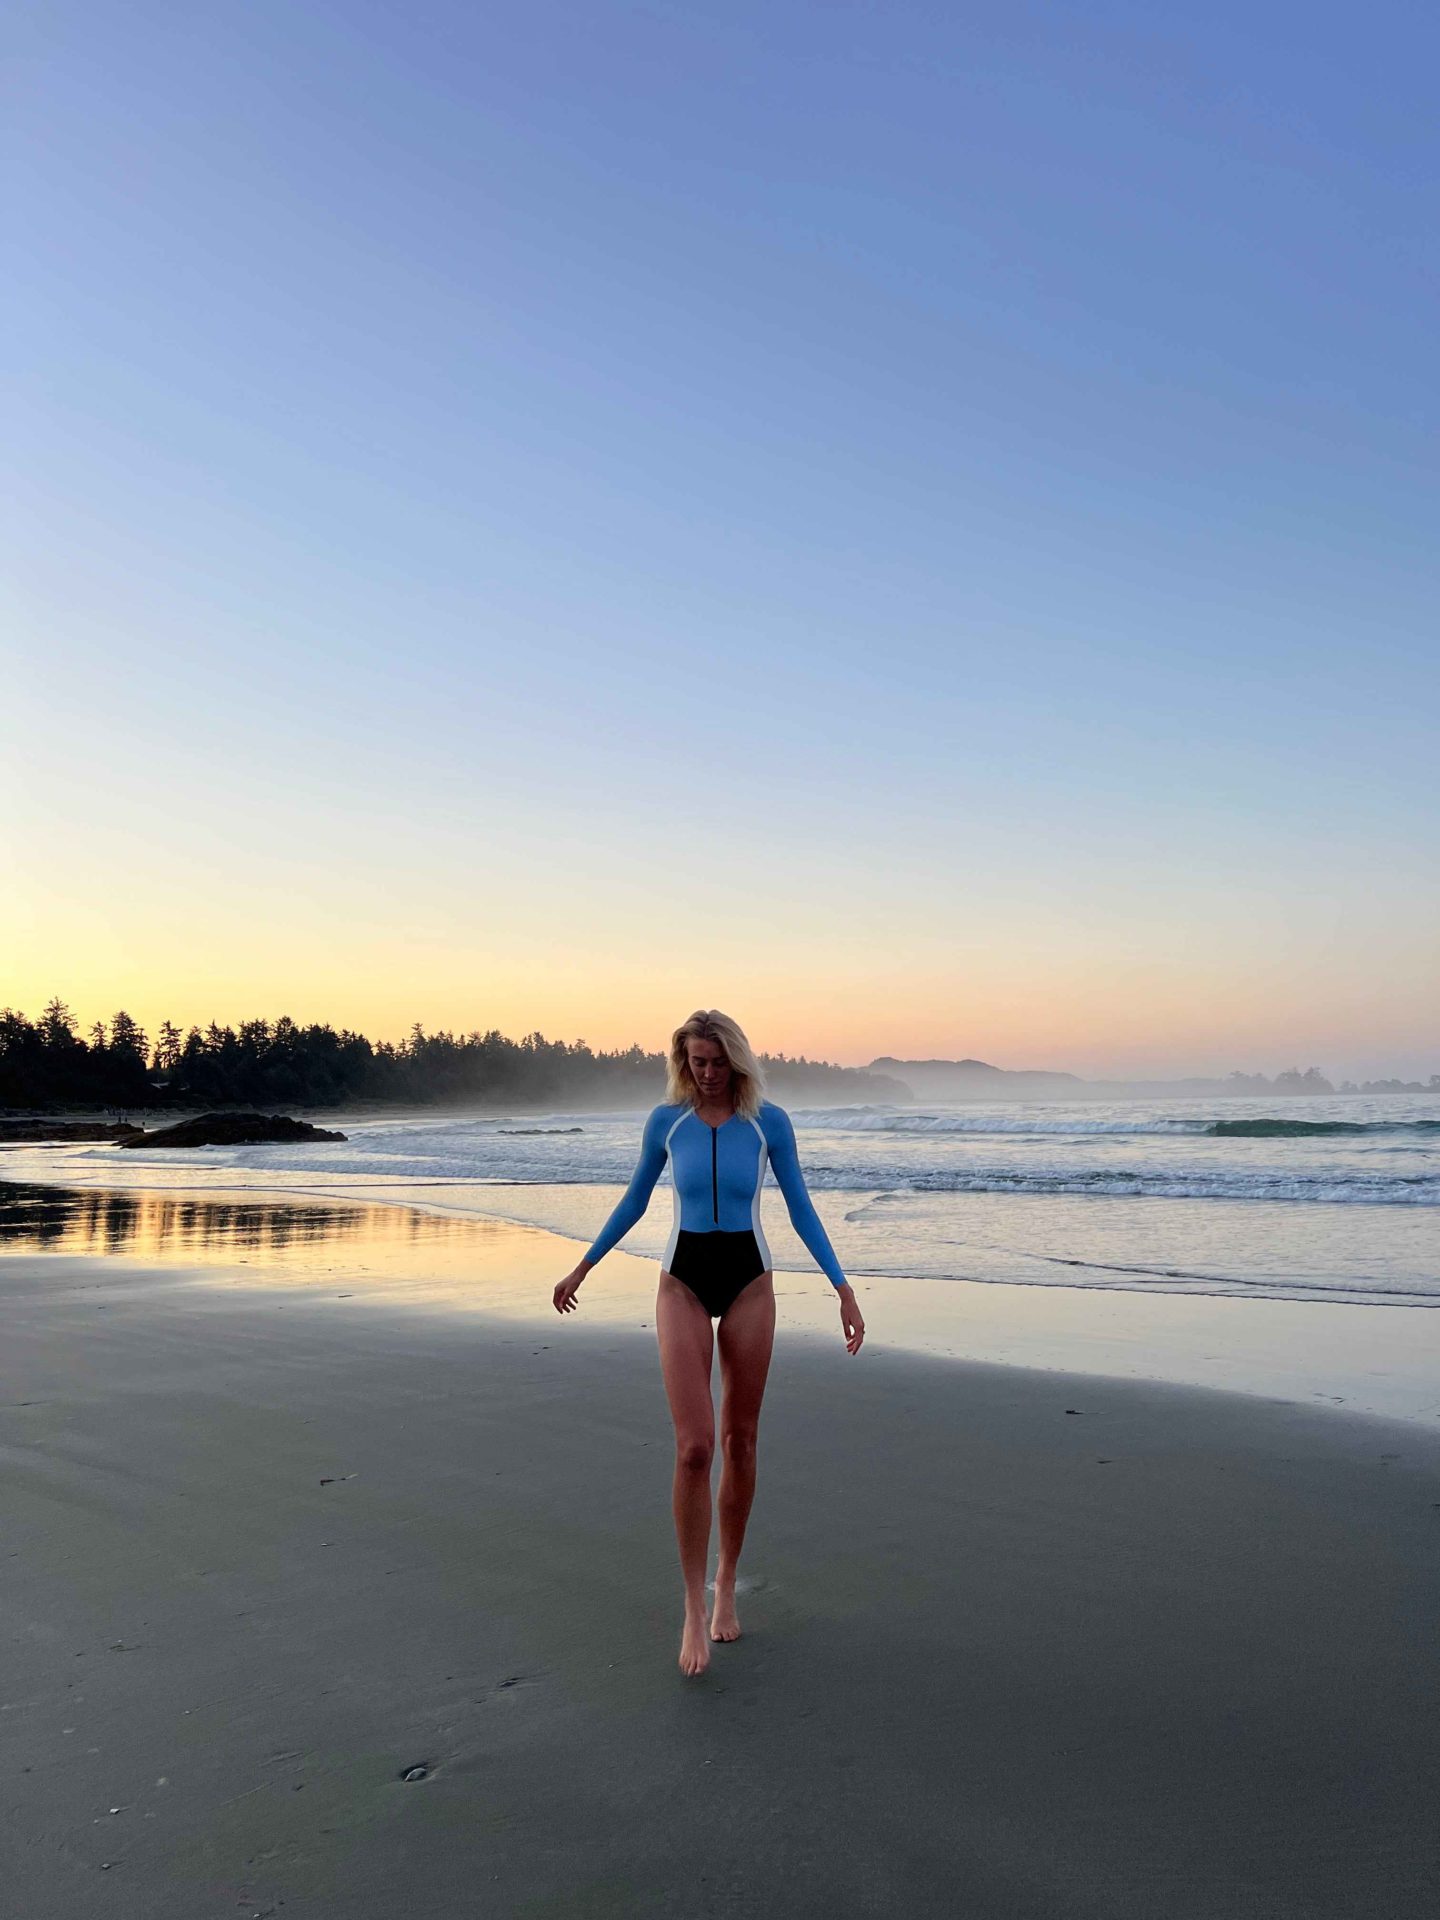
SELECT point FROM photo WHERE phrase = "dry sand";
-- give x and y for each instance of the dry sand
(1170, 1656)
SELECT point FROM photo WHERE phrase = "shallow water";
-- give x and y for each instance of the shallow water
(1315, 1199)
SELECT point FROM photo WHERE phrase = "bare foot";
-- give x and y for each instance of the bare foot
(724, 1625)
(694, 1650)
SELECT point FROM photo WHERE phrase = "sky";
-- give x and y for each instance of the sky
(914, 525)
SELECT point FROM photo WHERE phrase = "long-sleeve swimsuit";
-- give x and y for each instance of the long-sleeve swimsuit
(718, 1173)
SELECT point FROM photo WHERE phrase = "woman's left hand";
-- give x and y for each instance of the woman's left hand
(851, 1319)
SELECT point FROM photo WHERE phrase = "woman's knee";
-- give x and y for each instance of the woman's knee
(739, 1442)
(695, 1452)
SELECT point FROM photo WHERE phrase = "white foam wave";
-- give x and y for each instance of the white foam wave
(1326, 1189)
(522, 1167)
(987, 1121)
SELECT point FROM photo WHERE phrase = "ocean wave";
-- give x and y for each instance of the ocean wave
(1056, 1125)
(536, 1163)
(1332, 1189)
(1268, 1129)
(895, 1120)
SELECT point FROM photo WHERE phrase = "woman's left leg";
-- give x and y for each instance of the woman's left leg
(745, 1335)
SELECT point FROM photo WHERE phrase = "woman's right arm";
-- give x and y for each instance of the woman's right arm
(636, 1197)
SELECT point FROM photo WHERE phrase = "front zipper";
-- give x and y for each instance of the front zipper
(714, 1172)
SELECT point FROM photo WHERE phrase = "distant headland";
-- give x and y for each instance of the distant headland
(978, 1080)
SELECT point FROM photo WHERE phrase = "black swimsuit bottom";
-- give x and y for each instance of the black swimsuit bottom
(716, 1266)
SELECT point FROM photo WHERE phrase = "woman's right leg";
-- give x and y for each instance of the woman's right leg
(687, 1345)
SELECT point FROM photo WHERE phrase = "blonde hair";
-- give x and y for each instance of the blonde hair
(748, 1075)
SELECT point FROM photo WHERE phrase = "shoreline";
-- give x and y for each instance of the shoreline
(1381, 1361)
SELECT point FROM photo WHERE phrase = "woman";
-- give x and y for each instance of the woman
(718, 1131)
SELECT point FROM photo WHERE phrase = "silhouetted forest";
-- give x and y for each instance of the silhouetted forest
(48, 1064)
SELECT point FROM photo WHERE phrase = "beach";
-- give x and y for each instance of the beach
(286, 1522)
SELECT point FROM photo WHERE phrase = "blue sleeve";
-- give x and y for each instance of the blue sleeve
(636, 1197)
(785, 1159)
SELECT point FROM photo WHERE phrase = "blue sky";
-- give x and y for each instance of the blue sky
(582, 508)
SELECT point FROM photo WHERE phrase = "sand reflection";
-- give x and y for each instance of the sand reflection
(363, 1250)
(166, 1225)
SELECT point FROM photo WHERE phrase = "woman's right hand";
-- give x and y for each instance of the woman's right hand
(565, 1301)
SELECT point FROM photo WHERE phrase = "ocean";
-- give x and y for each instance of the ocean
(1299, 1199)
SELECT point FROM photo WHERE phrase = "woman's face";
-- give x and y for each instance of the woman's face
(709, 1066)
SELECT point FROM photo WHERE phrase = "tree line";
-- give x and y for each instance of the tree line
(1313, 1081)
(49, 1064)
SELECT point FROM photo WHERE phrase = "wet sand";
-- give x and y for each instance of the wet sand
(1015, 1643)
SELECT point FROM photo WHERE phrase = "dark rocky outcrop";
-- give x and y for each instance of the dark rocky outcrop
(231, 1130)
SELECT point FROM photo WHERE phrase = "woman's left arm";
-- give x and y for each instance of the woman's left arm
(785, 1159)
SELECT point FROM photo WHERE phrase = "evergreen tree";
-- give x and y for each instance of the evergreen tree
(57, 1025)
(167, 1048)
(126, 1036)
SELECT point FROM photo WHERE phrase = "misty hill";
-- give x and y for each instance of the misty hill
(978, 1080)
